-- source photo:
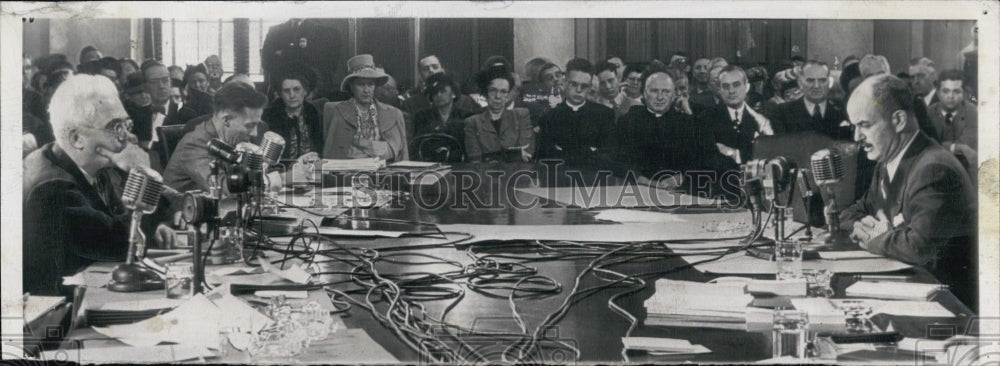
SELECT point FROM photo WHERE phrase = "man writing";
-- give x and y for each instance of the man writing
(920, 207)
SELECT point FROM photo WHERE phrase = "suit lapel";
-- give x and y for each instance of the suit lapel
(898, 185)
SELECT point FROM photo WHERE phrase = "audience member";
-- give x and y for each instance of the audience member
(443, 117)
(576, 131)
(498, 133)
(362, 127)
(294, 118)
(923, 80)
(813, 112)
(733, 124)
(89, 53)
(954, 119)
(300, 44)
(213, 65)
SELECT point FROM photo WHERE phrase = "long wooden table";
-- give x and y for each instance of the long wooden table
(589, 324)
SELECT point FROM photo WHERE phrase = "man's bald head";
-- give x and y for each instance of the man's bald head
(881, 110)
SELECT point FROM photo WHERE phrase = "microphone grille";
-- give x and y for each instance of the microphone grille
(141, 192)
(827, 165)
(272, 145)
(254, 160)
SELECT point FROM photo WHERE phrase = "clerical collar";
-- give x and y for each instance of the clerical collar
(658, 115)
(575, 108)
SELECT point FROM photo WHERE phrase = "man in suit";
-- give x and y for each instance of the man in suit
(300, 43)
(955, 120)
(920, 208)
(577, 130)
(923, 80)
(733, 123)
(160, 112)
(813, 112)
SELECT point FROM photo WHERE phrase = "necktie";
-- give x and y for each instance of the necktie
(817, 112)
(948, 117)
(736, 122)
(884, 184)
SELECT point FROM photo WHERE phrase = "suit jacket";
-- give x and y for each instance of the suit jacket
(794, 117)
(70, 223)
(340, 122)
(962, 130)
(482, 139)
(311, 45)
(577, 136)
(142, 120)
(718, 121)
(932, 206)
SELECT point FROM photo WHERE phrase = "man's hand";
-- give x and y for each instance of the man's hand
(29, 143)
(684, 105)
(132, 157)
(165, 237)
(870, 227)
(308, 158)
(729, 152)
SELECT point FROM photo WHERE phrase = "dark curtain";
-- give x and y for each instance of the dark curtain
(241, 45)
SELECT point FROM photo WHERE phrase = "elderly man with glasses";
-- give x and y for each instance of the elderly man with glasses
(73, 214)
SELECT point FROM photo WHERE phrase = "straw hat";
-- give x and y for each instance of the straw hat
(363, 66)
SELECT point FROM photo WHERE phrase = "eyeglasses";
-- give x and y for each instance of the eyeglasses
(119, 127)
(579, 86)
(163, 80)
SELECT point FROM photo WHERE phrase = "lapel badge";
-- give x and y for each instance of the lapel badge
(303, 42)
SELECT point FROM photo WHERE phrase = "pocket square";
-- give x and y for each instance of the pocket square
(898, 220)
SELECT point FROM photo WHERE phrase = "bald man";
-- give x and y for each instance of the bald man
(920, 207)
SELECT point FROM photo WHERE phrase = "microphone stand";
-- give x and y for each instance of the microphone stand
(130, 277)
(839, 238)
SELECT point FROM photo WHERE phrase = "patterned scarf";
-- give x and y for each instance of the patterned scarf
(366, 126)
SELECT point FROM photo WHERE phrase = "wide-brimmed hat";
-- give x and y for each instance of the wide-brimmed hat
(363, 66)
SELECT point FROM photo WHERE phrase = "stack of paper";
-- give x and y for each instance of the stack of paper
(694, 304)
(821, 311)
(893, 290)
(663, 346)
(340, 165)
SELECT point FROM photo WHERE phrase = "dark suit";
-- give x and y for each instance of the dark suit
(483, 141)
(142, 120)
(794, 116)
(70, 223)
(963, 126)
(582, 136)
(289, 47)
(198, 103)
(932, 206)
(719, 122)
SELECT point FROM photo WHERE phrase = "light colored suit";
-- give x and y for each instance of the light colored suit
(340, 122)
(481, 138)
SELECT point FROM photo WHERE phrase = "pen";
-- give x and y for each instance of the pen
(878, 278)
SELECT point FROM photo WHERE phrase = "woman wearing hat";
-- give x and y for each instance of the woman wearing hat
(443, 116)
(362, 127)
(498, 133)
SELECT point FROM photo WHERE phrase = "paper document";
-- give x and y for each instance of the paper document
(893, 290)
(663, 345)
(293, 273)
(196, 322)
(336, 231)
(621, 233)
(36, 306)
(928, 309)
(363, 164)
(617, 197)
(820, 310)
(625, 215)
(849, 254)
(154, 354)
(142, 305)
(741, 263)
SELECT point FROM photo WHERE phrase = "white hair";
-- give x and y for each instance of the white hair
(80, 101)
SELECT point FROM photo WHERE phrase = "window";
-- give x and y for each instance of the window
(189, 42)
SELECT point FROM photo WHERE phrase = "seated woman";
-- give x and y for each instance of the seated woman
(443, 117)
(73, 214)
(362, 127)
(499, 133)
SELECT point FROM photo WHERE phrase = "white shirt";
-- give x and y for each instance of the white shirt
(158, 119)
(893, 163)
(736, 114)
(929, 97)
(810, 106)
(658, 115)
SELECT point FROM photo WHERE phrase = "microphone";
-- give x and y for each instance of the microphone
(140, 195)
(272, 146)
(827, 166)
(223, 151)
(141, 192)
(828, 170)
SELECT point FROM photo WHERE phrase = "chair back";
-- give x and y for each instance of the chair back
(169, 137)
(438, 147)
